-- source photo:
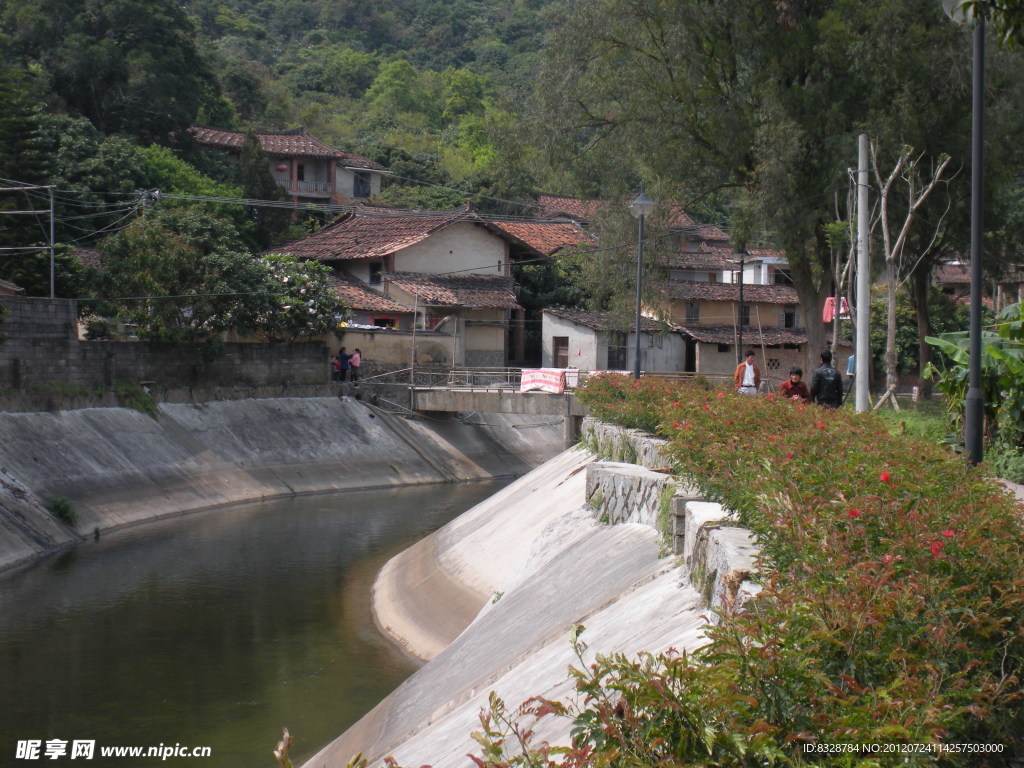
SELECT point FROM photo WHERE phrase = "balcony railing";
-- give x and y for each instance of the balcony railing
(315, 187)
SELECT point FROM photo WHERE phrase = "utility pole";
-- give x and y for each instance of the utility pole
(53, 259)
(862, 353)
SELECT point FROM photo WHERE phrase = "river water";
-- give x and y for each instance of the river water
(211, 630)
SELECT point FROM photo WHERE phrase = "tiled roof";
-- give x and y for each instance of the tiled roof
(372, 232)
(90, 257)
(360, 296)
(726, 334)
(605, 321)
(708, 257)
(471, 291)
(766, 253)
(576, 208)
(544, 237)
(691, 290)
(959, 273)
(10, 288)
(291, 143)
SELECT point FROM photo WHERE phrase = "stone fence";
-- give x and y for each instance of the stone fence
(638, 488)
(42, 355)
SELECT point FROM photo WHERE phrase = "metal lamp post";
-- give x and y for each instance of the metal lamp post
(642, 206)
(974, 413)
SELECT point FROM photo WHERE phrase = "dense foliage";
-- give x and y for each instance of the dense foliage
(178, 275)
(1001, 374)
(892, 608)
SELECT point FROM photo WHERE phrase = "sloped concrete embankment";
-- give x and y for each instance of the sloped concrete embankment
(120, 467)
(490, 599)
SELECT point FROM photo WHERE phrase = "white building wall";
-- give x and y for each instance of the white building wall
(461, 248)
(583, 343)
(588, 349)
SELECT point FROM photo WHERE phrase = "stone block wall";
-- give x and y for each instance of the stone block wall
(42, 352)
(719, 554)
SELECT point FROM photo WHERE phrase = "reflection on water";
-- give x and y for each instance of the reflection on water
(215, 629)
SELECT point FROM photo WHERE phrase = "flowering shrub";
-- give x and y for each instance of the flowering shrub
(891, 610)
(893, 600)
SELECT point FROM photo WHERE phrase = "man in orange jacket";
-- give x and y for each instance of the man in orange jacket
(747, 378)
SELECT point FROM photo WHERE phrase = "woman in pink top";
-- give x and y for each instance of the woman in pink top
(354, 362)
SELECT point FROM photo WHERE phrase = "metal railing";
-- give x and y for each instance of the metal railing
(508, 379)
(320, 187)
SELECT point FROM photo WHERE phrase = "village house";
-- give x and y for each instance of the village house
(595, 341)
(954, 279)
(309, 170)
(431, 274)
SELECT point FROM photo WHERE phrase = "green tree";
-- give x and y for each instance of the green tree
(22, 162)
(298, 300)
(178, 275)
(129, 66)
(253, 175)
(760, 100)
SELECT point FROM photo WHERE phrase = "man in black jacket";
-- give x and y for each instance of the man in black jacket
(827, 383)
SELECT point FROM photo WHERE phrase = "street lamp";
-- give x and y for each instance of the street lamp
(974, 412)
(641, 207)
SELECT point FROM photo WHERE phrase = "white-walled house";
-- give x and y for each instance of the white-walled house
(594, 341)
(450, 271)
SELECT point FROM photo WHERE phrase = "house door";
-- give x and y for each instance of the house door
(690, 364)
(560, 351)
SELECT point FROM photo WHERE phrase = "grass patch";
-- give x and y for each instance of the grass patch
(131, 395)
(62, 508)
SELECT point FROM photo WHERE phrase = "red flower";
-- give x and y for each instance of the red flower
(789, 455)
(675, 404)
(853, 513)
(721, 394)
(676, 425)
(885, 477)
(936, 548)
(821, 426)
(707, 407)
(947, 533)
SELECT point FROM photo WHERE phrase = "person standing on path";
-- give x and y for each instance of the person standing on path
(354, 362)
(827, 383)
(747, 378)
(343, 360)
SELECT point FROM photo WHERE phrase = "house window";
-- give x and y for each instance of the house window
(712, 277)
(782, 277)
(724, 347)
(693, 311)
(375, 270)
(790, 318)
(385, 321)
(745, 315)
(560, 351)
(300, 172)
(361, 184)
(617, 351)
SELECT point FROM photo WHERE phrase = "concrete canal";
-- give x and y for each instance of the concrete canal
(214, 629)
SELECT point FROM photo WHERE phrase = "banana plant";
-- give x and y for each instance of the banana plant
(1002, 373)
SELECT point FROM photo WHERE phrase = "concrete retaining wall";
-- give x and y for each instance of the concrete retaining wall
(42, 353)
(120, 467)
(492, 597)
